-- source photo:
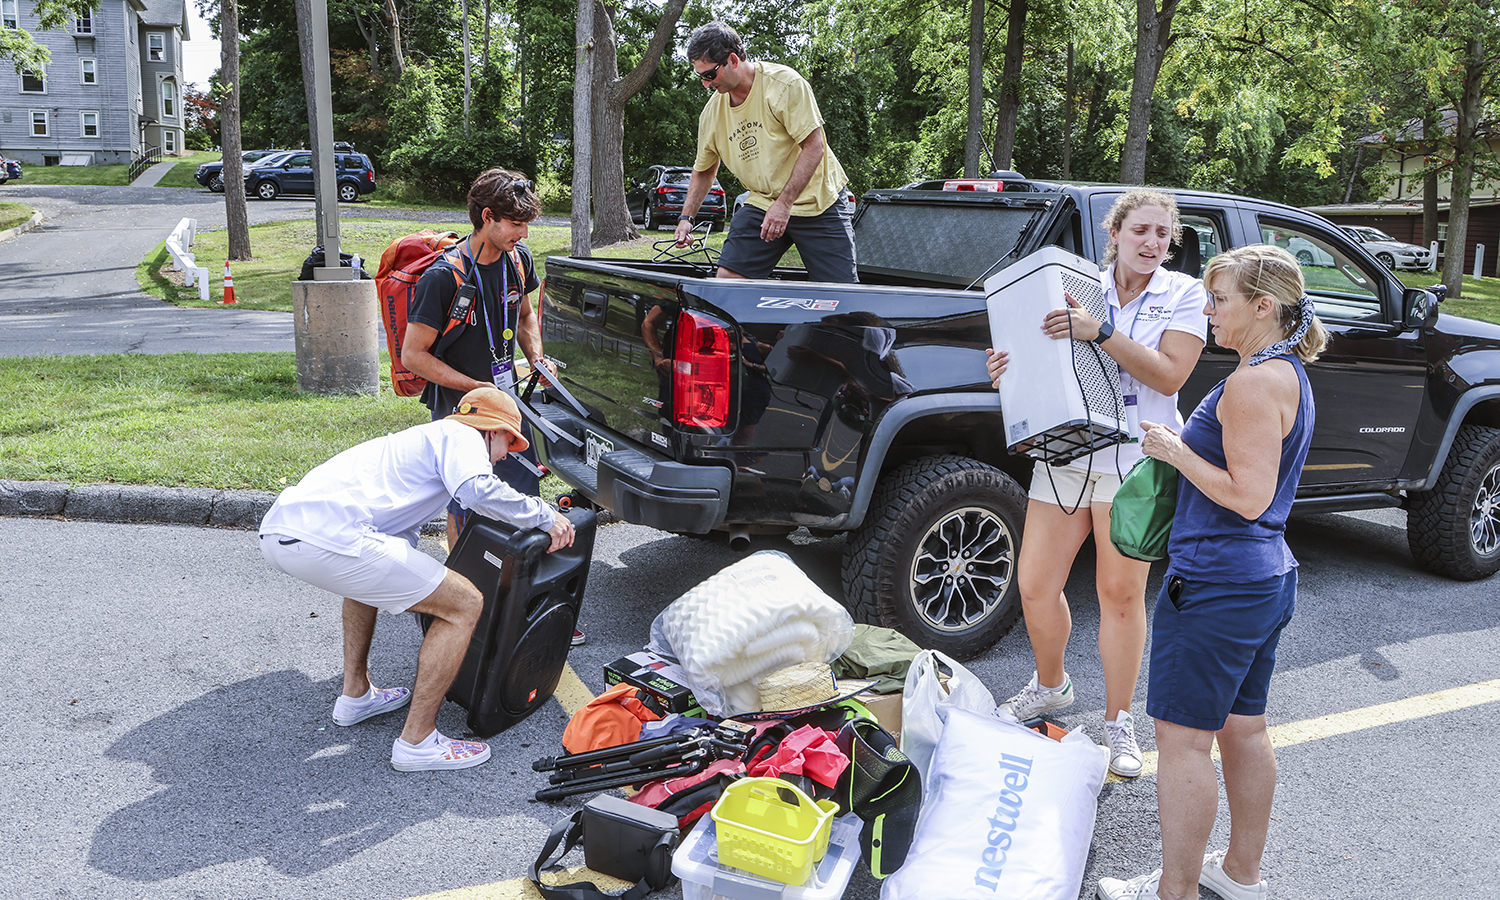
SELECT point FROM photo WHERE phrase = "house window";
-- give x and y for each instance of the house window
(8, 13)
(38, 123)
(84, 24)
(154, 47)
(33, 83)
(169, 141)
(88, 121)
(87, 73)
(168, 99)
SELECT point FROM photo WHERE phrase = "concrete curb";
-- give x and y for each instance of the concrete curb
(34, 221)
(135, 503)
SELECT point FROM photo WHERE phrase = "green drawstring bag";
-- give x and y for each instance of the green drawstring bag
(1140, 521)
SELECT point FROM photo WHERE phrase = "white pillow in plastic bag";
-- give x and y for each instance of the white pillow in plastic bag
(752, 618)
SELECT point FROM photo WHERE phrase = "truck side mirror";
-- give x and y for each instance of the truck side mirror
(1419, 308)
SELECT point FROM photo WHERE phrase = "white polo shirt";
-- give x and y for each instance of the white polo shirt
(395, 484)
(1171, 301)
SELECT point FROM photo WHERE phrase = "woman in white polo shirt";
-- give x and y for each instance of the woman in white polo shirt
(1155, 333)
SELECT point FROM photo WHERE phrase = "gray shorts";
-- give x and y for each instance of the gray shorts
(825, 243)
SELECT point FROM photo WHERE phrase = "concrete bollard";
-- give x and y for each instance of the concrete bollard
(335, 328)
(1478, 260)
(1432, 257)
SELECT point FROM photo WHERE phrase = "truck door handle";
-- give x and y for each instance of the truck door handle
(594, 305)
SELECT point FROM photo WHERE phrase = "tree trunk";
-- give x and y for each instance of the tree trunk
(233, 172)
(611, 217)
(583, 144)
(463, 6)
(1153, 39)
(398, 55)
(976, 89)
(368, 32)
(485, 63)
(1070, 114)
(1010, 86)
(1466, 144)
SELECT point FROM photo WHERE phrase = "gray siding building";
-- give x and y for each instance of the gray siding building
(111, 92)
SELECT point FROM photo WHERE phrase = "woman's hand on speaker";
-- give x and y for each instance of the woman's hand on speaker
(561, 531)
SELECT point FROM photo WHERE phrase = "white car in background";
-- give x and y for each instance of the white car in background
(1391, 253)
(1308, 253)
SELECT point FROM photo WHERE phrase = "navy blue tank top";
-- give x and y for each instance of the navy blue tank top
(1211, 543)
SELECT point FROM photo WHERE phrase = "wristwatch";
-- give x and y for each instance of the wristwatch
(688, 219)
(1106, 330)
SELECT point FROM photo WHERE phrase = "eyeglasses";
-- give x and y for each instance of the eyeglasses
(1214, 299)
(710, 74)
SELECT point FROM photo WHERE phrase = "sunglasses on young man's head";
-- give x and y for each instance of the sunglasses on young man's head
(520, 188)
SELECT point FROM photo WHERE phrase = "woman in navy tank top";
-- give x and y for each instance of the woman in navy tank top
(1231, 581)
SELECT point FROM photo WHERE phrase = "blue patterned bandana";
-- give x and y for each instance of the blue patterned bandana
(1305, 313)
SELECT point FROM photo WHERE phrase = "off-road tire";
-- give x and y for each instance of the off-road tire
(216, 183)
(348, 193)
(914, 507)
(1454, 529)
(267, 190)
(648, 222)
(1387, 260)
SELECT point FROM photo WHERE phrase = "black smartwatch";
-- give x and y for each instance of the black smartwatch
(688, 219)
(1106, 330)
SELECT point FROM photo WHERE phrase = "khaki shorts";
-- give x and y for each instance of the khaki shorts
(388, 573)
(1068, 487)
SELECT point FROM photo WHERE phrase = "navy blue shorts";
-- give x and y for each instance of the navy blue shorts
(1213, 647)
(825, 242)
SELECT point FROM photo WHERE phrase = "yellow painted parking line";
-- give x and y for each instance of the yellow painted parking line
(571, 692)
(1334, 724)
(523, 889)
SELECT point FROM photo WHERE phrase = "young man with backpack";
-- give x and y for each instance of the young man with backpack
(495, 262)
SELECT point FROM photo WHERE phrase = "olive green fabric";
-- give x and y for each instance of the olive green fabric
(880, 654)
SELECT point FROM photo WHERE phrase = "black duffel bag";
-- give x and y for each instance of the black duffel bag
(315, 261)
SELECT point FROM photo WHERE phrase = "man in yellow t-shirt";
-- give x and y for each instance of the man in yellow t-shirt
(763, 122)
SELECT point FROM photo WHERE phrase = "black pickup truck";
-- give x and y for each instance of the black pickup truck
(755, 407)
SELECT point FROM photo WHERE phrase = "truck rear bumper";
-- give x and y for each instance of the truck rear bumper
(636, 484)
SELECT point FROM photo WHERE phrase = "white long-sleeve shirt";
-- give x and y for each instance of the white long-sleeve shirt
(394, 485)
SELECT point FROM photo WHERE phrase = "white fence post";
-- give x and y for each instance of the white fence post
(177, 243)
(1432, 257)
(1478, 260)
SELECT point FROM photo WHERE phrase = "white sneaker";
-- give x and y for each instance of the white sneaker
(1033, 700)
(352, 710)
(1140, 888)
(1124, 753)
(1213, 878)
(437, 752)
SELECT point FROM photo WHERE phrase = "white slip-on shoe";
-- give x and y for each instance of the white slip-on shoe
(352, 710)
(1214, 878)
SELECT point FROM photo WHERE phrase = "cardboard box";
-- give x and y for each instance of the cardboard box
(886, 709)
(662, 678)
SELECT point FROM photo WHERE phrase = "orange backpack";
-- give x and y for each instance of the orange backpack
(401, 265)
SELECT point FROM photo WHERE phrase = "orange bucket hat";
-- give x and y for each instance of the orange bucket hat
(490, 409)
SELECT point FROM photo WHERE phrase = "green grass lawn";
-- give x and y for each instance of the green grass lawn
(226, 420)
(279, 248)
(13, 214)
(106, 175)
(181, 174)
(1481, 296)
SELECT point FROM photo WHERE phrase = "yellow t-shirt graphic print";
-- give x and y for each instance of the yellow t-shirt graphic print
(759, 140)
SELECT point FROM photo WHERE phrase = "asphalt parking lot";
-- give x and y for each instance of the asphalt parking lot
(170, 699)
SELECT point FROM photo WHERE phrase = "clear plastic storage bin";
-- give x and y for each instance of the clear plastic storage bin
(696, 862)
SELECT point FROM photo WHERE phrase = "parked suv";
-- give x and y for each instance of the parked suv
(211, 174)
(655, 198)
(293, 174)
(1391, 253)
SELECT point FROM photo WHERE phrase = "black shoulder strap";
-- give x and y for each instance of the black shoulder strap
(569, 832)
(463, 299)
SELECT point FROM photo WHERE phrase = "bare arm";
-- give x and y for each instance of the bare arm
(1164, 369)
(1256, 410)
(802, 172)
(698, 187)
(529, 337)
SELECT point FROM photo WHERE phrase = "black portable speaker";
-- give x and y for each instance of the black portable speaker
(531, 602)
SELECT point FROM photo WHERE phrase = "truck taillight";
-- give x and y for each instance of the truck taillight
(700, 376)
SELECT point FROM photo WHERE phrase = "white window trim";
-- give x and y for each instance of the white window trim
(15, 13)
(39, 93)
(163, 48)
(84, 72)
(77, 29)
(82, 131)
(161, 98)
(169, 136)
(31, 123)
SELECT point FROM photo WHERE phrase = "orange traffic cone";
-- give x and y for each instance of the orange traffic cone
(228, 286)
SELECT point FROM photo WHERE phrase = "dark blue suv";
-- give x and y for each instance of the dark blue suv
(293, 174)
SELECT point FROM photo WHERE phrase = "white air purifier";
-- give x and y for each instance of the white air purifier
(1060, 398)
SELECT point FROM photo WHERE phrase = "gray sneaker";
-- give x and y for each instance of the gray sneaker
(1124, 753)
(1213, 878)
(1033, 700)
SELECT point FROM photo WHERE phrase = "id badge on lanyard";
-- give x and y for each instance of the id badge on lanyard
(1133, 417)
(502, 371)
